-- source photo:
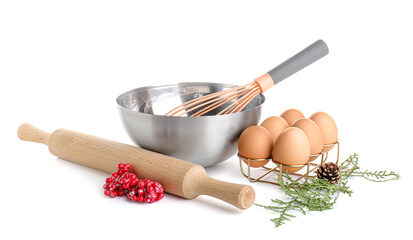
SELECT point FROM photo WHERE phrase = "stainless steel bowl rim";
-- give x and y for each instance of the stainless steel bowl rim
(183, 84)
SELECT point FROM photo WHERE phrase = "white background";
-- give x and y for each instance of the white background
(63, 63)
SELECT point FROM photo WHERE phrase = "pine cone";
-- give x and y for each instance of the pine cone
(329, 172)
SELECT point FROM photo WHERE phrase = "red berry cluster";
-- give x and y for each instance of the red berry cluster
(123, 182)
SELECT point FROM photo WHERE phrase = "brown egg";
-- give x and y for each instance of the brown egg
(313, 133)
(255, 142)
(275, 125)
(291, 148)
(328, 128)
(291, 115)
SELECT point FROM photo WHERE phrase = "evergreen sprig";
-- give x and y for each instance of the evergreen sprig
(318, 194)
(350, 168)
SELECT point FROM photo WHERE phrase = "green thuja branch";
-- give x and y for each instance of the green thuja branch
(377, 176)
(318, 194)
(349, 168)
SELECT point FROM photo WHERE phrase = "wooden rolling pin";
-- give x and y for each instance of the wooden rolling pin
(178, 177)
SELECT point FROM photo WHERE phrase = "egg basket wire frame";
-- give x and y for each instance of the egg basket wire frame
(311, 167)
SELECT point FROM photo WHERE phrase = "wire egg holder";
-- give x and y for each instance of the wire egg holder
(296, 176)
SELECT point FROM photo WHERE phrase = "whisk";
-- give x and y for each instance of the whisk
(239, 97)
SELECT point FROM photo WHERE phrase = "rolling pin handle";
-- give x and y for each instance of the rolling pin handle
(197, 182)
(240, 196)
(28, 132)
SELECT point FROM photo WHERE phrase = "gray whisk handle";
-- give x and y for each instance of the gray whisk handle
(299, 61)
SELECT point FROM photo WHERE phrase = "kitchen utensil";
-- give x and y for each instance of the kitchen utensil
(178, 177)
(205, 141)
(239, 97)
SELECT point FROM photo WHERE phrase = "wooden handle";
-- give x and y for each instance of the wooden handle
(241, 196)
(28, 132)
(178, 177)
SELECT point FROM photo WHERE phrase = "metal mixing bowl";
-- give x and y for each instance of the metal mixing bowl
(205, 140)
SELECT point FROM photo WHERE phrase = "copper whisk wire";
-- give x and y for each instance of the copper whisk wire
(243, 95)
(220, 101)
(239, 104)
